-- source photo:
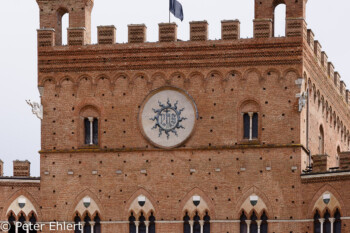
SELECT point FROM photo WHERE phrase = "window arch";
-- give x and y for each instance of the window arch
(152, 224)
(62, 22)
(243, 224)
(87, 225)
(253, 223)
(12, 220)
(279, 19)
(132, 225)
(187, 226)
(21, 219)
(317, 224)
(142, 225)
(337, 223)
(97, 226)
(89, 128)
(33, 221)
(196, 225)
(264, 226)
(77, 226)
(327, 223)
(206, 223)
(250, 113)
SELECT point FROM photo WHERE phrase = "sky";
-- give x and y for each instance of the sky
(19, 19)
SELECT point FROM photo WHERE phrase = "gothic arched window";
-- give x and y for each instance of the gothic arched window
(327, 223)
(206, 227)
(32, 220)
(317, 224)
(264, 225)
(87, 226)
(243, 224)
(196, 225)
(152, 224)
(142, 225)
(253, 224)
(187, 226)
(337, 223)
(97, 226)
(22, 220)
(132, 226)
(12, 221)
(77, 227)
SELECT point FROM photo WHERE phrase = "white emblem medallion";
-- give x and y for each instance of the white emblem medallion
(168, 117)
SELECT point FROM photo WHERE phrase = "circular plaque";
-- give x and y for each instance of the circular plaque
(168, 117)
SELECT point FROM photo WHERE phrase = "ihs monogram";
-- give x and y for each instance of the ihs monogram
(168, 118)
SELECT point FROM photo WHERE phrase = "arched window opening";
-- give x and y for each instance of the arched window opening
(321, 141)
(264, 226)
(280, 20)
(132, 226)
(12, 222)
(337, 223)
(142, 225)
(32, 220)
(77, 227)
(327, 223)
(91, 131)
(187, 226)
(243, 224)
(22, 220)
(317, 224)
(206, 228)
(152, 224)
(196, 225)
(62, 25)
(97, 226)
(87, 226)
(253, 224)
(250, 125)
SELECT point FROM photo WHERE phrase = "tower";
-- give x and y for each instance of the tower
(79, 31)
(264, 17)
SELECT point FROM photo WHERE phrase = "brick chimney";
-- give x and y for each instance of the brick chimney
(21, 168)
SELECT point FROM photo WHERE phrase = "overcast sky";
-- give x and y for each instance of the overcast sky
(19, 19)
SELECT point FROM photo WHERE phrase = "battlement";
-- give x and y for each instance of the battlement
(20, 168)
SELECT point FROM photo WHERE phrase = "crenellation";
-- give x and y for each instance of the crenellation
(342, 89)
(318, 50)
(330, 70)
(137, 33)
(311, 39)
(46, 37)
(296, 27)
(21, 168)
(76, 36)
(263, 28)
(1, 168)
(106, 34)
(199, 31)
(230, 29)
(167, 32)
(337, 80)
(347, 96)
(324, 60)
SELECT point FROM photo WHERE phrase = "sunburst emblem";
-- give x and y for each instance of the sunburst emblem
(168, 118)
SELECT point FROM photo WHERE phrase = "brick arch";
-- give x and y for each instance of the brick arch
(196, 74)
(158, 80)
(65, 78)
(177, 79)
(47, 79)
(216, 77)
(204, 196)
(251, 70)
(89, 102)
(17, 194)
(266, 73)
(320, 192)
(229, 75)
(121, 75)
(133, 197)
(254, 190)
(85, 76)
(71, 213)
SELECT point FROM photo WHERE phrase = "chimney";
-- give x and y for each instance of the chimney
(21, 168)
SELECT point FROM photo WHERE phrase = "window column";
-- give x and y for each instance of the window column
(137, 223)
(82, 226)
(92, 224)
(147, 225)
(259, 224)
(91, 120)
(321, 224)
(250, 125)
(201, 222)
(332, 220)
(191, 222)
(28, 224)
(248, 225)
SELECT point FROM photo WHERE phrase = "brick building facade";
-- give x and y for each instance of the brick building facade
(256, 141)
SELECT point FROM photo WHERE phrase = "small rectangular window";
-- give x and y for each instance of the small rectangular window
(246, 125)
(87, 130)
(255, 125)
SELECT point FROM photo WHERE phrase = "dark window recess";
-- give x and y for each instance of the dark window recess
(152, 224)
(132, 226)
(206, 227)
(142, 225)
(243, 224)
(187, 226)
(196, 225)
(337, 223)
(12, 221)
(253, 225)
(255, 125)
(317, 224)
(327, 223)
(97, 226)
(246, 124)
(91, 129)
(87, 226)
(77, 220)
(264, 225)
(95, 131)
